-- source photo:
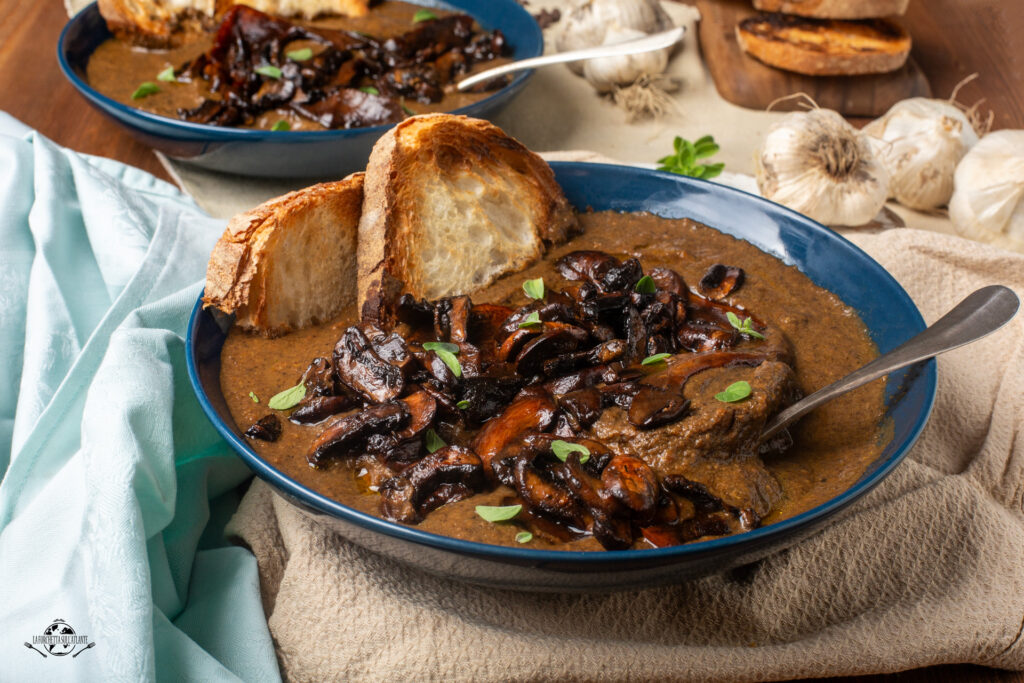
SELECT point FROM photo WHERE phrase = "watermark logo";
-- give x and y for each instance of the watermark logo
(60, 640)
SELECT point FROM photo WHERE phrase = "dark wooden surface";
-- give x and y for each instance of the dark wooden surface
(952, 38)
(743, 80)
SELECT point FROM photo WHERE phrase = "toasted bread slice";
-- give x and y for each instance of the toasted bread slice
(291, 261)
(835, 9)
(163, 23)
(451, 204)
(824, 47)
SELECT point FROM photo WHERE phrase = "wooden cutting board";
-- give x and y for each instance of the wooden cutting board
(743, 80)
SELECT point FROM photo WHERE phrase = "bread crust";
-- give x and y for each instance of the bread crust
(443, 145)
(244, 256)
(824, 47)
(835, 9)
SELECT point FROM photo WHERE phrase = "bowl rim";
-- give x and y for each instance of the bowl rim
(593, 560)
(235, 134)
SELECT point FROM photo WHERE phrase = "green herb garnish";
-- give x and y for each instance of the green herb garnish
(268, 70)
(534, 288)
(281, 125)
(288, 398)
(446, 352)
(684, 161)
(498, 513)
(737, 391)
(656, 358)
(145, 90)
(524, 537)
(300, 55)
(462, 405)
(433, 441)
(531, 320)
(745, 327)
(444, 346)
(408, 111)
(166, 75)
(645, 285)
(562, 449)
(423, 15)
(369, 89)
(254, 397)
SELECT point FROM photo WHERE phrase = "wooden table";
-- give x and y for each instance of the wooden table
(952, 39)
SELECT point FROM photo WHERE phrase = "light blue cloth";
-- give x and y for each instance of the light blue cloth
(109, 467)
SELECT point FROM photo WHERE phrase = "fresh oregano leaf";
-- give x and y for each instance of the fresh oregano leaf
(145, 90)
(288, 398)
(562, 449)
(737, 391)
(656, 358)
(534, 288)
(268, 70)
(498, 513)
(433, 441)
(645, 285)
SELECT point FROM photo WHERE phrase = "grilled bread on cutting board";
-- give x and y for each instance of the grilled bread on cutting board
(835, 9)
(452, 203)
(161, 23)
(291, 261)
(824, 47)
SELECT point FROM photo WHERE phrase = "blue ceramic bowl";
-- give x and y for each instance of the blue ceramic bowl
(826, 258)
(282, 154)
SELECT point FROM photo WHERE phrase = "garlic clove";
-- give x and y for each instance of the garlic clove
(920, 141)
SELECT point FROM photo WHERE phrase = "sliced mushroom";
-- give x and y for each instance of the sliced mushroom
(720, 281)
(654, 406)
(531, 414)
(422, 410)
(682, 367)
(668, 280)
(319, 378)
(633, 483)
(586, 265)
(347, 434)
(359, 367)
(319, 408)
(448, 474)
(485, 396)
(565, 339)
(267, 428)
(451, 318)
(583, 406)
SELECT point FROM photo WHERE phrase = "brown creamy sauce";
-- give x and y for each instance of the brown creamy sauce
(832, 447)
(117, 68)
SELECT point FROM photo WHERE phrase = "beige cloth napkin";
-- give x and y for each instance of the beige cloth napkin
(927, 569)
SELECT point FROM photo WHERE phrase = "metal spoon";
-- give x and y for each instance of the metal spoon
(655, 41)
(980, 314)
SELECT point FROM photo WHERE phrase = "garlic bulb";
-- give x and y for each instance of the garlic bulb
(920, 141)
(988, 200)
(818, 164)
(605, 22)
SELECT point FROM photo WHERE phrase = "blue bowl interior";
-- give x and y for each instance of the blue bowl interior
(826, 258)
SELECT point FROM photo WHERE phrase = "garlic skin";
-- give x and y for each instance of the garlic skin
(605, 22)
(988, 199)
(816, 163)
(920, 141)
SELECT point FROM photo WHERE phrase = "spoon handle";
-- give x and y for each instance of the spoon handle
(980, 314)
(655, 41)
